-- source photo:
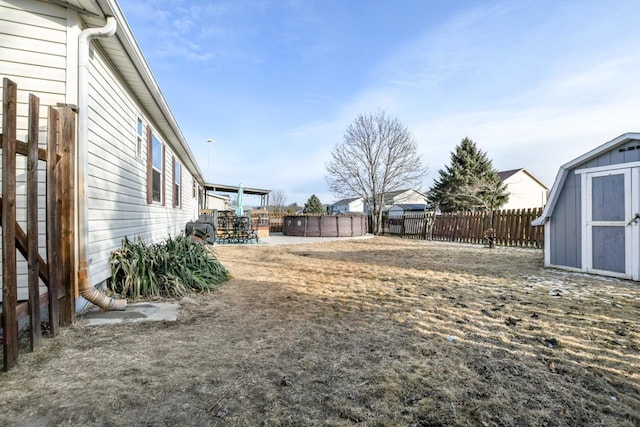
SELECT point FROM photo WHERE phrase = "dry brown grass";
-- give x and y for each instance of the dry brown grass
(348, 332)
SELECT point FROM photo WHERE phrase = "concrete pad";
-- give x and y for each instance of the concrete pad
(138, 312)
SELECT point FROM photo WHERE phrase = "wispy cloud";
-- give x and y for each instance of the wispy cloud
(178, 29)
(535, 84)
(525, 103)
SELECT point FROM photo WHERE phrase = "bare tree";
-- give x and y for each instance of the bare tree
(482, 193)
(278, 201)
(378, 155)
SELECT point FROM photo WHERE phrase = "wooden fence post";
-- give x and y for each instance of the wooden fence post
(32, 223)
(53, 221)
(9, 275)
(66, 139)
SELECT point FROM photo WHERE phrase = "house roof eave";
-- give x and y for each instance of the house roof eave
(532, 176)
(126, 55)
(506, 176)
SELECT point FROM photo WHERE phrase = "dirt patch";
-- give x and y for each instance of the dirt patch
(379, 332)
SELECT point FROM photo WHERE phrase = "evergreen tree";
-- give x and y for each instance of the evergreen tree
(469, 182)
(313, 205)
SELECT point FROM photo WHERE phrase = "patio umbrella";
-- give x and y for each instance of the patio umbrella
(239, 210)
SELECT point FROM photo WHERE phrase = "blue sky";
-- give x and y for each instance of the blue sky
(275, 83)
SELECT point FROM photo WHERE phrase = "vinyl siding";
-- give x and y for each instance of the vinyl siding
(524, 192)
(117, 180)
(33, 50)
(566, 232)
(33, 53)
(566, 235)
(35, 37)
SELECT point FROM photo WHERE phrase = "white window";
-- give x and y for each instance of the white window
(139, 138)
(176, 184)
(156, 148)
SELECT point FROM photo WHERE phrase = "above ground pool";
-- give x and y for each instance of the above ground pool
(324, 225)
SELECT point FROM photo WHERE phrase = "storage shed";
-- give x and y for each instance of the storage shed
(591, 218)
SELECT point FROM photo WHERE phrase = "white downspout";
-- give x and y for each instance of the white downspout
(85, 288)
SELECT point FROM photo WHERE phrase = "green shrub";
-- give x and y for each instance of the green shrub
(174, 267)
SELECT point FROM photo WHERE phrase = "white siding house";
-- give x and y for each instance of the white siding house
(354, 204)
(397, 211)
(407, 197)
(142, 180)
(217, 201)
(525, 190)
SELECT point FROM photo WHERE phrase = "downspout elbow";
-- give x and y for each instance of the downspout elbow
(98, 298)
(85, 289)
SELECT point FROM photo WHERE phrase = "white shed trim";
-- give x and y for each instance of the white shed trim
(564, 170)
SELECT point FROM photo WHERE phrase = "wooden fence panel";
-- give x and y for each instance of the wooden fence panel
(511, 227)
(276, 222)
(59, 221)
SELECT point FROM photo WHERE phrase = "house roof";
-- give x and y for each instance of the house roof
(235, 189)
(567, 167)
(410, 206)
(504, 175)
(390, 195)
(224, 197)
(124, 52)
(347, 201)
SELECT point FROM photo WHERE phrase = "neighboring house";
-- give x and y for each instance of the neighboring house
(407, 197)
(358, 204)
(142, 180)
(525, 190)
(354, 204)
(591, 218)
(218, 202)
(396, 211)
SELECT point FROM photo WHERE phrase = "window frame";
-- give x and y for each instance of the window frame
(152, 169)
(139, 137)
(177, 183)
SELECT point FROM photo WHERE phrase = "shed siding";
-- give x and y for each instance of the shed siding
(566, 236)
(626, 153)
(33, 53)
(566, 220)
(118, 178)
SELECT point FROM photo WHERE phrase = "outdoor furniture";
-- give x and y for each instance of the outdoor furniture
(233, 229)
(203, 228)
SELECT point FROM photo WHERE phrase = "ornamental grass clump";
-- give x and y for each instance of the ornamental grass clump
(172, 268)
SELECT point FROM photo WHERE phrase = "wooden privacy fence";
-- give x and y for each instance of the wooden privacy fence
(512, 227)
(57, 271)
(276, 221)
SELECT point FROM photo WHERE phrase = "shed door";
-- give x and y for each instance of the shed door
(608, 211)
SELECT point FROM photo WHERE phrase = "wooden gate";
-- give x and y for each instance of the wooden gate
(57, 272)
